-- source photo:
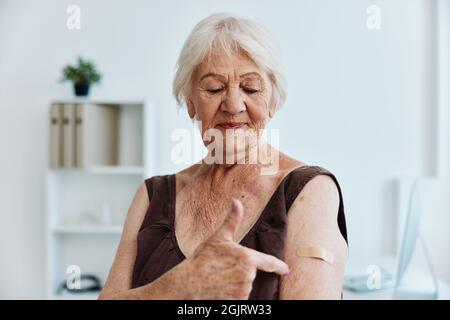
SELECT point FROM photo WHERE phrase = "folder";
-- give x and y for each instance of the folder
(55, 135)
(68, 135)
(96, 135)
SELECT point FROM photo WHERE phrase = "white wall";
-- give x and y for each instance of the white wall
(357, 100)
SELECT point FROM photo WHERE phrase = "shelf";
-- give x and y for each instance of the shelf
(75, 296)
(128, 102)
(87, 229)
(81, 200)
(125, 170)
(116, 170)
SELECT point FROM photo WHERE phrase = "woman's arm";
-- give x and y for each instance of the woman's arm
(118, 284)
(312, 222)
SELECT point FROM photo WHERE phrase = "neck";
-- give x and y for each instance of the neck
(244, 164)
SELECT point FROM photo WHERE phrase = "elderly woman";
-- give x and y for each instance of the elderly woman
(225, 229)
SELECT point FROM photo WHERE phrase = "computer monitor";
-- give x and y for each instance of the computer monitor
(411, 235)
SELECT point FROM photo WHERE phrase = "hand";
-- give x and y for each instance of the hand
(220, 268)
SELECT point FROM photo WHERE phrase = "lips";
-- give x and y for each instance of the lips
(231, 125)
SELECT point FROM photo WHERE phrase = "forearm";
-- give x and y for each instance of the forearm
(169, 286)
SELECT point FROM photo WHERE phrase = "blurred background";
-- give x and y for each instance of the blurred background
(368, 99)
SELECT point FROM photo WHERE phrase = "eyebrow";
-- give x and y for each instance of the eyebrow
(250, 74)
(211, 74)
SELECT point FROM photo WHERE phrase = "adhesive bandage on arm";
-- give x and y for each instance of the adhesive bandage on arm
(317, 253)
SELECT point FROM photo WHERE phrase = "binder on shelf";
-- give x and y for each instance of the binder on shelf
(68, 135)
(96, 135)
(55, 141)
(83, 135)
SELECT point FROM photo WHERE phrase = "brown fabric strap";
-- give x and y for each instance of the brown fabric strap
(158, 188)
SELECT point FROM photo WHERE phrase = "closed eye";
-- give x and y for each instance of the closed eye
(214, 90)
(249, 90)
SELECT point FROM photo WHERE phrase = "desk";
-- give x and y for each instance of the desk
(415, 278)
(386, 294)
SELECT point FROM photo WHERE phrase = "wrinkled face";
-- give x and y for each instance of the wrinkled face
(232, 95)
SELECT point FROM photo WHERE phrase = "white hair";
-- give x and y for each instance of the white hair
(229, 33)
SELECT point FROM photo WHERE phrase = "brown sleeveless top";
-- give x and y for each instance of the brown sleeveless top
(158, 250)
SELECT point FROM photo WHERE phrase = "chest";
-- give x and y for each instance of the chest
(200, 209)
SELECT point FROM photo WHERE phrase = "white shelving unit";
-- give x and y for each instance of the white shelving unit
(86, 207)
(87, 229)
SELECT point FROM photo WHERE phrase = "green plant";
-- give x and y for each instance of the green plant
(83, 73)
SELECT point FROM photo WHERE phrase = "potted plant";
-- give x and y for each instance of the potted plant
(82, 75)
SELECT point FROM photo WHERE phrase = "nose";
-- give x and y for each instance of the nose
(233, 102)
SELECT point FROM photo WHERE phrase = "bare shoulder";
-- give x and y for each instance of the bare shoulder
(120, 274)
(321, 194)
(314, 213)
(136, 211)
(142, 193)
